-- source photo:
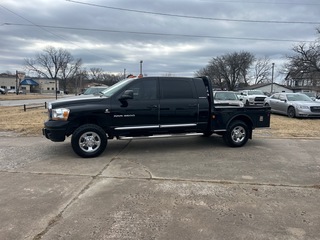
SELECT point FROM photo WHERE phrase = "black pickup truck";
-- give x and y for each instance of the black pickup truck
(149, 106)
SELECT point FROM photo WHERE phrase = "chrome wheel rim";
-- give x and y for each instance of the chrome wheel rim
(238, 134)
(89, 142)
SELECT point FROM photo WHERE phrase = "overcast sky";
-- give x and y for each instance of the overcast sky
(176, 37)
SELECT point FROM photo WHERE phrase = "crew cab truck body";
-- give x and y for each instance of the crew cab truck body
(149, 106)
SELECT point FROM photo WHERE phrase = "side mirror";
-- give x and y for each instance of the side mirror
(128, 94)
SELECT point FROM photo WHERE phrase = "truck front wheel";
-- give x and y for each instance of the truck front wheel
(237, 134)
(89, 141)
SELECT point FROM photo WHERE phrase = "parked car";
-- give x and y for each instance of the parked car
(2, 91)
(293, 105)
(13, 91)
(311, 95)
(226, 98)
(253, 97)
(94, 90)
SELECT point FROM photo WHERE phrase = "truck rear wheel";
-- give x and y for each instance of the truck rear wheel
(89, 141)
(237, 134)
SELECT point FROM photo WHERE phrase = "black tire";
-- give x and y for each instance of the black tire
(291, 112)
(237, 134)
(247, 103)
(267, 105)
(89, 141)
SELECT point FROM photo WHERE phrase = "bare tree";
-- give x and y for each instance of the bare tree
(110, 78)
(53, 64)
(70, 71)
(305, 60)
(261, 70)
(229, 70)
(96, 74)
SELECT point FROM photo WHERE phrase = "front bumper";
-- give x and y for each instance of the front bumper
(300, 112)
(55, 130)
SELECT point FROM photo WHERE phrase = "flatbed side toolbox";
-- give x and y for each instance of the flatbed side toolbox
(263, 117)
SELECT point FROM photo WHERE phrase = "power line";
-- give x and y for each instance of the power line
(156, 34)
(32, 24)
(268, 3)
(192, 17)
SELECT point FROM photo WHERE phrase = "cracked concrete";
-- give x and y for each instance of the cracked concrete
(185, 188)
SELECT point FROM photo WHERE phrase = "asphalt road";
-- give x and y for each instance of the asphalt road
(12, 103)
(177, 188)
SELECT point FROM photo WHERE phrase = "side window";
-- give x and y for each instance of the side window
(282, 97)
(201, 88)
(172, 88)
(144, 89)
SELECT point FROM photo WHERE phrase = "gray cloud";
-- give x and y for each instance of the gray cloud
(124, 37)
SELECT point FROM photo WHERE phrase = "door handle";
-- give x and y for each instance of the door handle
(192, 105)
(152, 106)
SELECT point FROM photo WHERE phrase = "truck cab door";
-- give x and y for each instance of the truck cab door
(178, 104)
(136, 108)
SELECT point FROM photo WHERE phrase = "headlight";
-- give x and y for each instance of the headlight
(303, 107)
(60, 114)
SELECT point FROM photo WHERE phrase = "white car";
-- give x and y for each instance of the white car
(226, 98)
(312, 96)
(14, 91)
(253, 97)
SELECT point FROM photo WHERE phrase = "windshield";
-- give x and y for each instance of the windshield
(225, 96)
(94, 90)
(255, 92)
(310, 94)
(298, 97)
(114, 88)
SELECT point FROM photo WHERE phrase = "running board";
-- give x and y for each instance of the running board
(161, 136)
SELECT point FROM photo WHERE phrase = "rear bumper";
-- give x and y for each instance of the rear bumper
(55, 130)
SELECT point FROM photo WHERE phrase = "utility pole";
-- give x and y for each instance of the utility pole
(272, 78)
(17, 86)
(141, 67)
(19, 77)
(56, 87)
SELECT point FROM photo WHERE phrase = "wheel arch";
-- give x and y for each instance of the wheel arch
(88, 119)
(244, 118)
(291, 106)
(294, 108)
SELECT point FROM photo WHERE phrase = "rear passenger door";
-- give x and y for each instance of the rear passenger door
(274, 101)
(178, 103)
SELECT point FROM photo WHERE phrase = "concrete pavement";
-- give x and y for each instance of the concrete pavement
(177, 188)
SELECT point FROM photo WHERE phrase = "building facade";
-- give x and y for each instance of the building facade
(27, 84)
(304, 82)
